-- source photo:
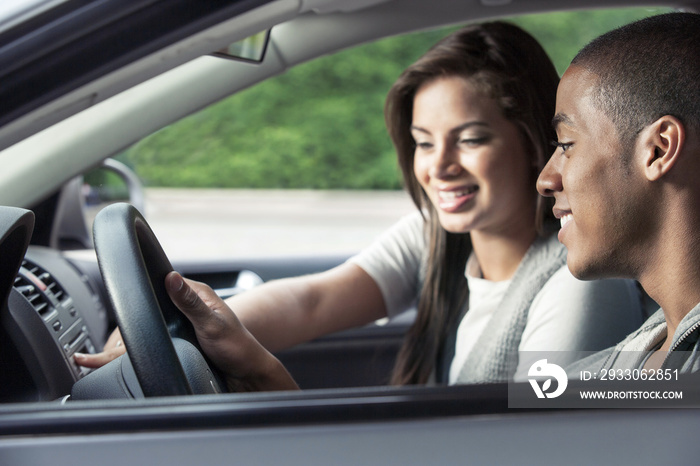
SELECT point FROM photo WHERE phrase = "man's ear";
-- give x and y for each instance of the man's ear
(662, 143)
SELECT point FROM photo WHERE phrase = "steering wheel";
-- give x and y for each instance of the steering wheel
(134, 266)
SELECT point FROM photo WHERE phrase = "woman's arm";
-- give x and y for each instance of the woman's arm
(286, 312)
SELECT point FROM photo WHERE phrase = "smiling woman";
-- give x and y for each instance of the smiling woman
(459, 130)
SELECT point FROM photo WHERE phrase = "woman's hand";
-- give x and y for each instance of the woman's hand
(246, 365)
(112, 350)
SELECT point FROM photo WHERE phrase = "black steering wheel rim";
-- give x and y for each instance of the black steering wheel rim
(134, 266)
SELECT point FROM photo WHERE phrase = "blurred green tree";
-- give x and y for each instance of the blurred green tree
(321, 125)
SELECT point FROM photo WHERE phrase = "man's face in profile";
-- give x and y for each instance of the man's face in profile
(595, 189)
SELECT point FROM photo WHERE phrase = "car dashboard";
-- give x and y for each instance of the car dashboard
(54, 310)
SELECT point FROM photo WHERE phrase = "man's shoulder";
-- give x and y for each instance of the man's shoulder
(635, 344)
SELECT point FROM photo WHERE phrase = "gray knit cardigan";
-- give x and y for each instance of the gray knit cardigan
(495, 355)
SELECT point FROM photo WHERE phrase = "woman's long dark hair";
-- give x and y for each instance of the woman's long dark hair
(507, 64)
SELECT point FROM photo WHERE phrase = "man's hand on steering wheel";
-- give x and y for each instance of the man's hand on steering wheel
(246, 365)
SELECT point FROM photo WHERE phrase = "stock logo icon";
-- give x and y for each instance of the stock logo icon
(541, 375)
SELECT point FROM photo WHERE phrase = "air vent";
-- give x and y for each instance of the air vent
(32, 294)
(52, 286)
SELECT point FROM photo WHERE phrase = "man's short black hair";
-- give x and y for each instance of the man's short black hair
(647, 69)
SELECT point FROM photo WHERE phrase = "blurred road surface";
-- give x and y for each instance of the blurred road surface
(218, 223)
